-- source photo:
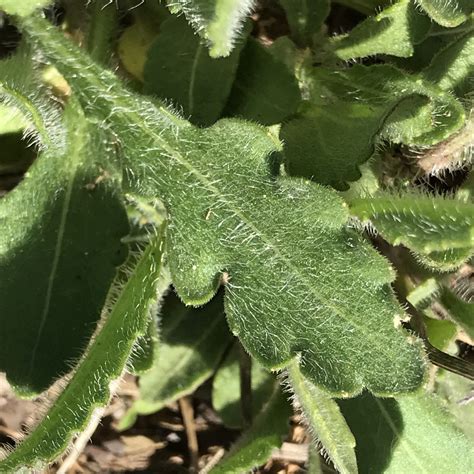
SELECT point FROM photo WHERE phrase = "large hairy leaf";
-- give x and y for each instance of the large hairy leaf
(184, 76)
(393, 31)
(217, 21)
(60, 240)
(408, 434)
(327, 300)
(349, 109)
(104, 361)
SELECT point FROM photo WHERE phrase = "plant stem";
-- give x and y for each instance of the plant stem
(187, 413)
(245, 363)
(102, 29)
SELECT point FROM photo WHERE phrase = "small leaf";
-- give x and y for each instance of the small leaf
(325, 421)
(217, 21)
(191, 346)
(257, 443)
(189, 77)
(423, 223)
(23, 7)
(62, 230)
(423, 294)
(393, 31)
(316, 142)
(89, 386)
(226, 389)
(440, 332)
(460, 311)
(349, 109)
(448, 13)
(410, 434)
(264, 90)
(452, 68)
(133, 47)
(305, 18)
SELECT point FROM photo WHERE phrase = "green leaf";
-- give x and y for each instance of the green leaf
(351, 108)
(11, 121)
(305, 18)
(423, 294)
(21, 90)
(446, 260)
(423, 223)
(456, 392)
(226, 389)
(316, 142)
(146, 346)
(460, 311)
(366, 7)
(410, 434)
(62, 230)
(448, 13)
(191, 346)
(133, 46)
(325, 421)
(257, 443)
(189, 77)
(453, 67)
(23, 7)
(440, 333)
(394, 31)
(264, 90)
(89, 386)
(217, 21)
(326, 300)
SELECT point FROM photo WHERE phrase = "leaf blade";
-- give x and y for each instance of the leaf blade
(244, 221)
(75, 199)
(104, 362)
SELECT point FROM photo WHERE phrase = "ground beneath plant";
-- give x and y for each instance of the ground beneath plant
(156, 443)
